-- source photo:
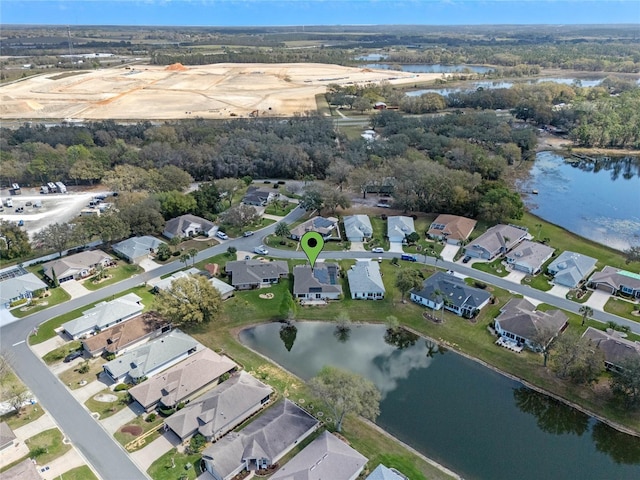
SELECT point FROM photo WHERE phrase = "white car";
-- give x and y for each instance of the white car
(261, 250)
(377, 250)
(222, 235)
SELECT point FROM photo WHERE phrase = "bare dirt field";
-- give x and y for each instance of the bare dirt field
(174, 91)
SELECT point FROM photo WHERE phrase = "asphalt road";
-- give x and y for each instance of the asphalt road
(98, 447)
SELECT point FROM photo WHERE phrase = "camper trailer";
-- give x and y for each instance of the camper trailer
(44, 189)
(61, 187)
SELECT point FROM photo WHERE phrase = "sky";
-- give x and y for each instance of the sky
(316, 12)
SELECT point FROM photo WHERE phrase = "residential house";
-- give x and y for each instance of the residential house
(448, 291)
(104, 315)
(14, 289)
(136, 249)
(529, 256)
(259, 196)
(221, 409)
(451, 228)
(357, 228)
(260, 444)
(25, 470)
(365, 281)
(126, 335)
(327, 227)
(614, 280)
(327, 457)
(495, 241)
(77, 266)
(189, 226)
(158, 283)
(398, 227)
(615, 348)
(570, 268)
(319, 283)
(381, 472)
(183, 381)
(247, 274)
(520, 321)
(152, 357)
(7, 437)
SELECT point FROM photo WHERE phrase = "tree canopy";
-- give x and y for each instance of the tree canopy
(189, 300)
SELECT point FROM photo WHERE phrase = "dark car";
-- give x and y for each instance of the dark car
(73, 355)
(408, 258)
(466, 259)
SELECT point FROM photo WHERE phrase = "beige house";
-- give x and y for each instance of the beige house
(529, 256)
(454, 229)
(76, 267)
(497, 240)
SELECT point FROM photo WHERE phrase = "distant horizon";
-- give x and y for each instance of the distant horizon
(317, 13)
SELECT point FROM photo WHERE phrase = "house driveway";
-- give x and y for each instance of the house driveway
(449, 252)
(515, 276)
(114, 422)
(13, 453)
(45, 347)
(357, 247)
(559, 291)
(395, 247)
(45, 422)
(60, 465)
(149, 454)
(598, 299)
(74, 288)
(148, 264)
(90, 389)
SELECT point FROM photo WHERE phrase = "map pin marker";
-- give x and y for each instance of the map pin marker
(312, 244)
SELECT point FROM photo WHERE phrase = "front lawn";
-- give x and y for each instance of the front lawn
(73, 378)
(106, 409)
(47, 445)
(235, 232)
(116, 274)
(56, 296)
(538, 282)
(273, 241)
(27, 415)
(57, 355)
(494, 268)
(139, 423)
(164, 469)
(79, 473)
(622, 308)
(275, 208)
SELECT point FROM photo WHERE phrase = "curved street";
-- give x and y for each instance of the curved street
(99, 448)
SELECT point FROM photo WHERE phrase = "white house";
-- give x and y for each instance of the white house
(136, 249)
(320, 283)
(365, 281)
(398, 227)
(445, 290)
(570, 268)
(189, 226)
(529, 256)
(16, 288)
(357, 228)
(495, 241)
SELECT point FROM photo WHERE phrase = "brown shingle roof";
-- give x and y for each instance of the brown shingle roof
(119, 336)
(455, 226)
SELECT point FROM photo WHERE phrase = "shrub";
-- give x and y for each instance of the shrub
(109, 356)
(224, 377)
(176, 253)
(394, 261)
(281, 182)
(18, 302)
(121, 387)
(180, 406)
(197, 443)
(36, 452)
(480, 285)
(150, 418)
(165, 412)
(84, 368)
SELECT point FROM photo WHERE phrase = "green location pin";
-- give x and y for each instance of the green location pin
(312, 244)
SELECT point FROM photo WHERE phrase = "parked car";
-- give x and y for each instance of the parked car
(28, 204)
(222, 235)
(21, 223)
(466, 259)
(73, 355)
(377, 250)
(248, 233)
(261, 250)
(408, 258)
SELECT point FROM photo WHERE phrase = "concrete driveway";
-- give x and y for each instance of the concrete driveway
(149, 454)
(395, 247)
(598, 299)
(74, 288)
(357, 247)
(449, 252)
(114, 422)
(60, 465)
(515, 276)
(45, 422)
(559, 291)
(90, 389)
(147, 264)
(45, 347)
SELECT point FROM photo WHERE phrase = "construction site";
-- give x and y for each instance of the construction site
(176, 91)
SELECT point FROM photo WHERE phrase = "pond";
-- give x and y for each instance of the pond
(469, 418)
(600, 200)
(425, 68)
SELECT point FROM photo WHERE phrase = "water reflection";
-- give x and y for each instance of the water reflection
(622, 448)
(551, 415)
(400, 338)
(288, 333)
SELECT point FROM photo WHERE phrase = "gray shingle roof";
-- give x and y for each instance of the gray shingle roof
(400, 226)
(138, 362)
(220, 409)
(179, 225)
(615, 348)
(496, 237)
(357, 226)
(365, 276)
(14, 287)
(268, 436)
(327, 457)
(182, 380)
(519, 317)
(105, 314)
(322, 279)
(531, 254)
(6, 434)
(74, 264)
(571, 267)
(382, 472)
(249, 272)
(135, 247)
(25, 470)
(616, 278)
(324, 226)
(454, 290)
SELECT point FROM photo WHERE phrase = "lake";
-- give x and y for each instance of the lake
(598, 201)
(425, 68)
(467, 417)
(491, 85)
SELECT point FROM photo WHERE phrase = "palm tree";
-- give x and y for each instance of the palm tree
(539, 225)
(184, 258)
(586, 311)
(282, 231)
(438, 293)
(193, 253)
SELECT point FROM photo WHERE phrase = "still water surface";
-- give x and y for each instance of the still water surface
(425, 68)
(471, 419)
(599, 201)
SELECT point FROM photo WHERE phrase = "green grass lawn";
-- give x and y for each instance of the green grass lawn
(573, 295)
(56, 296)
(221, 259)
(106, 409)
(79, 473)
(162, 468)
(538, 282)
(72, 377)
(116, 274)
(494, 268)
(123, 437)
(273, 209)
(27, 415)
(622, 308)
(51, 440)
(47, 329)
(235, 232)
(273, 241)
(57, 355)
